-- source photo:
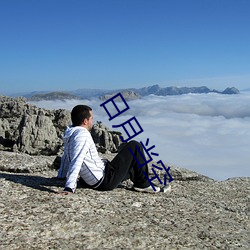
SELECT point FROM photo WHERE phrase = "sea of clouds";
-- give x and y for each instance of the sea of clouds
(207, 133)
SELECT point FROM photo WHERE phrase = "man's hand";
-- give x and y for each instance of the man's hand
(67, 191)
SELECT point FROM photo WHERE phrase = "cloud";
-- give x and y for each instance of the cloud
(207, 133)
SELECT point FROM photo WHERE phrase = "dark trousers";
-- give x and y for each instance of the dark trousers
(124, 166)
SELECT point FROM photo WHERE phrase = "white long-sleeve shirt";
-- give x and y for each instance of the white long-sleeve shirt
(80, 157)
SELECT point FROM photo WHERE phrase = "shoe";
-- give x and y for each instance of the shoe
(148, 189)
(166, 189)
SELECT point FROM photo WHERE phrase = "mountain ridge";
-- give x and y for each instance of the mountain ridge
(135, 92)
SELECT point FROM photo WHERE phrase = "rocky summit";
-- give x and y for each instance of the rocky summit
(32, 130)
(198, 213)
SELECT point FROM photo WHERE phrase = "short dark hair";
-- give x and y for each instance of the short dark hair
(79, 113)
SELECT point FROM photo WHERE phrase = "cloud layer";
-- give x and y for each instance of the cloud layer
(208, 133)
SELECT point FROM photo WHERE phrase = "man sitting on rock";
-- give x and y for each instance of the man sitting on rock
(81, 158)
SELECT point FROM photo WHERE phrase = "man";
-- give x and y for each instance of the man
(81, 158)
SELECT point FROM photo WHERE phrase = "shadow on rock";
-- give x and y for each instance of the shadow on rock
(35, 182)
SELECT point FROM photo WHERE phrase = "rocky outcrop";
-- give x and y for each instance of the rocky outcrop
(26, 128)
(32, 130)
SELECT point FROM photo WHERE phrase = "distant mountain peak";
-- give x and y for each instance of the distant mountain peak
(173, 90)
(230, 91)
(128, 95)
(53, 96)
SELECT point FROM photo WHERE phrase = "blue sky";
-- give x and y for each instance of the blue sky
(66, 45)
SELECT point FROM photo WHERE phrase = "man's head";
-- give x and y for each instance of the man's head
(81, 115)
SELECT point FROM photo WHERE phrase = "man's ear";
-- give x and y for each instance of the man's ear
(85, 121)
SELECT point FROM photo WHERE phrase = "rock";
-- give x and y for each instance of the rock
(61, 120)
(195, 215)
(105, 139)
(181, 174)
(37, 133)
(29, 129)
(24, 163)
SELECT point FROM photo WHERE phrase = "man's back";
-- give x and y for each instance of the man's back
(80, 157)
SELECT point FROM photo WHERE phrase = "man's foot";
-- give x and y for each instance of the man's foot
(148, 189)
(165, 189)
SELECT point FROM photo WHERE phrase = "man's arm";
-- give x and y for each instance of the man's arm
(78, 148)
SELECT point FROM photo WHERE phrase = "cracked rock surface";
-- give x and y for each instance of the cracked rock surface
(198, 213)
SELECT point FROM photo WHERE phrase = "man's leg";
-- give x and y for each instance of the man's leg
(124, 165)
